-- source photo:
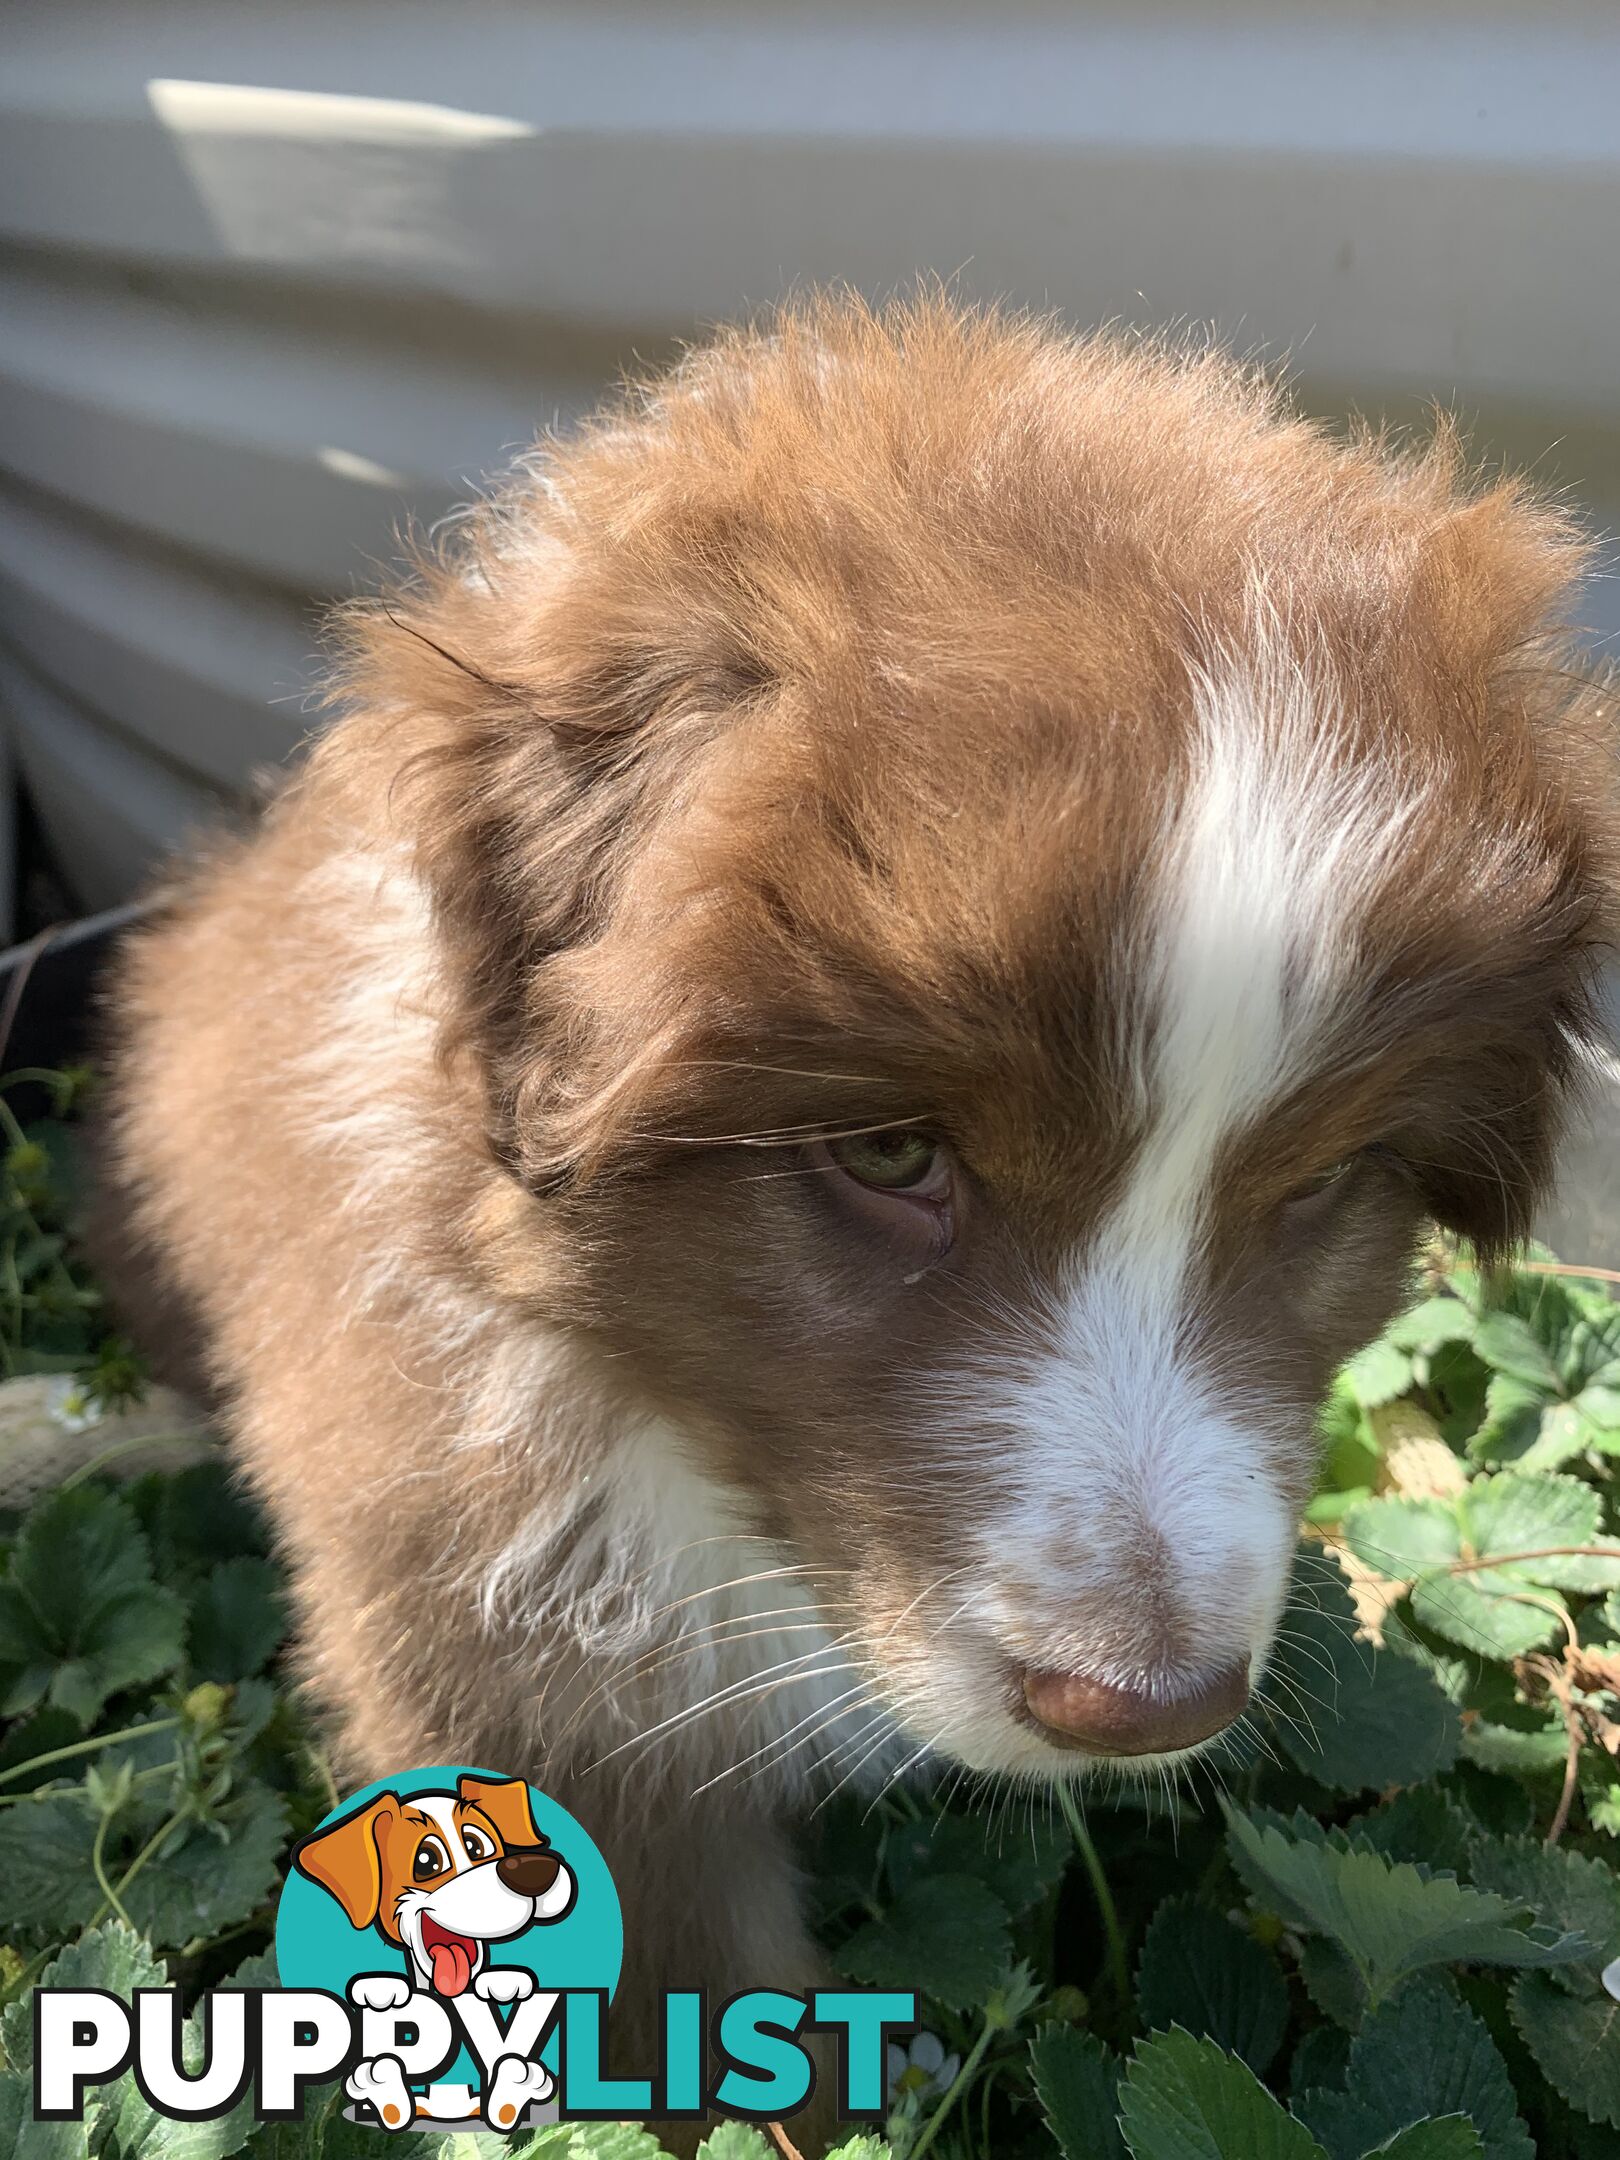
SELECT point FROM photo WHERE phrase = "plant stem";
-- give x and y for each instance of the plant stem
(126, 1446)
(1119, 1970)
(959, 2084)
(98, 1861)
(88, 1747)
(147, 1850)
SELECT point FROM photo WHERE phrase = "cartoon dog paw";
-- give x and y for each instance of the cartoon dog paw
(380, 1991)
(381, 2084)
(505, 1984)
(516, 2083)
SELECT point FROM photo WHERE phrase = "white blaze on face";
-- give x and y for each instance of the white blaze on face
(1134, 1474)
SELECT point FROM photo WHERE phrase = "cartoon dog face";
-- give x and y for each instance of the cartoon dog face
(442, 1874)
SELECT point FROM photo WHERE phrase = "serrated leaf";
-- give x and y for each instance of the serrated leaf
(1321, 2059)
(1447, 2137)
(1214, 1980)
(1019, 1865)
(734, 2141)
(944, 1935)
(864, 2148)
(1509, 1345)
(1492, 1612)
(1077, 2083)
(197, 1883)
(80, 1617)
(1422, 2054)
(1420, 1825)
(1575, 2041)
(1332, 1982)
(1435, 1321)
(1511, 1429)
(45, 1865)
(1510, 1514)
(1349, 1716)
(1391, 1920)
(1182, 2099)
(1513, 1751)
(1403, 1538)
(613, 2141)
(119, 2121)
(238, 1619)
(208, 1880)
(1564, 1889)
(1379, 1373)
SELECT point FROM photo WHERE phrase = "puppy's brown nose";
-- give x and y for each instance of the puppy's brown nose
(1110, 1720)
(530, 1870)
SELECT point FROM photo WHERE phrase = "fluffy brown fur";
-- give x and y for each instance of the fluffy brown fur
(809, 745)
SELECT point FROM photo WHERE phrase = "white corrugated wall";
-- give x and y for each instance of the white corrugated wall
(276, 271)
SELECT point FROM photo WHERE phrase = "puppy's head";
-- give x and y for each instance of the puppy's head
(995, 883)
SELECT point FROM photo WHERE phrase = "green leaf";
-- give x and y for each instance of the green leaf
(1515, 1750)
(613, 2141)
(1403, 1538)
(1575, 2041)
(1182, 2099)
(1332, 1982)
(38, 1735)
(1437, 1320)
(1020, 1866)
(80, 1617)
(1321, 2059)
(734, 2141)
(197, 1883)
(866, 2148)
(1214, 1980)
(1420, 1825)
(1077, 2083)
(206, 1880)
(1511, 1430)
(1379, 1373)
(1492, 1612)
(1509, 1346)
(1564, 1889)
(1457, 1384)
(1349, 1716)
(238, 1620)
(1447, 2137)
(1421, 2054)
(1503, 1611)
(1389, 1918)
(118, 2120)
(945, 1935)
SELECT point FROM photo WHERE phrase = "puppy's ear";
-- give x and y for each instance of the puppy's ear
(506, 1803)
(346, 1860)
(1534, 782)
(532, 698)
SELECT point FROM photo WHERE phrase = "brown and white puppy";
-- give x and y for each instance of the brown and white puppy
(778, 1136)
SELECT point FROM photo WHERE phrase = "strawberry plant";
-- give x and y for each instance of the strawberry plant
(1382, 1924)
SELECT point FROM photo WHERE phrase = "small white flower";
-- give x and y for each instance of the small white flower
(924, 2068)
(72, 1406)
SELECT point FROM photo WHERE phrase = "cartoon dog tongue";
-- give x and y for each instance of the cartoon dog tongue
(452, 1965)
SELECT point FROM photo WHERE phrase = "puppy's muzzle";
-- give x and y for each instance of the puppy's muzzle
(530, 1870)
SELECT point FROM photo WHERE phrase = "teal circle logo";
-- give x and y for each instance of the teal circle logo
(449, 1899)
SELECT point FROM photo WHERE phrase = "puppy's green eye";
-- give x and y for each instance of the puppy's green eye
(900, 1160)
